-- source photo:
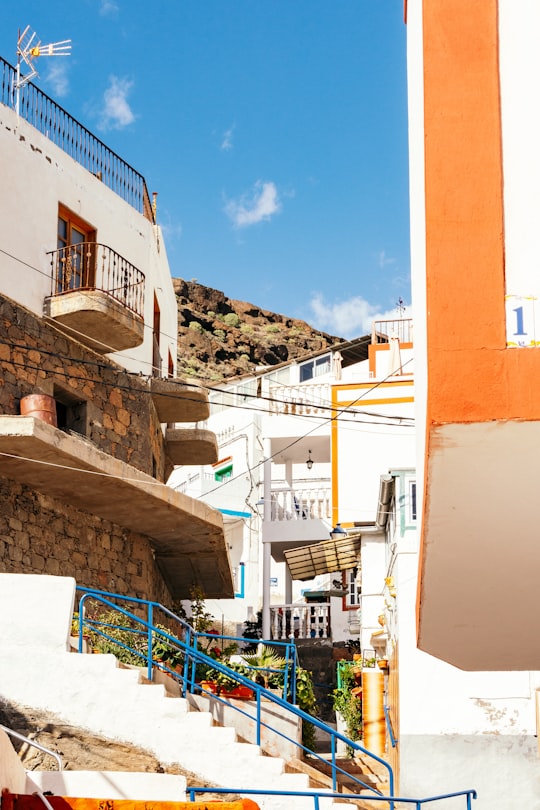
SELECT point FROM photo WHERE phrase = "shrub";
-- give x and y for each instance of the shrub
(232, 319)
(246, 328)
(272, 328)
(196, 326)
(219, 334)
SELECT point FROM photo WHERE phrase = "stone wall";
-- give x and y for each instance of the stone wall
(36, 357)
(39, 534)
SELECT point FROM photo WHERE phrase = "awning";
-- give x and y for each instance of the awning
(323, 558)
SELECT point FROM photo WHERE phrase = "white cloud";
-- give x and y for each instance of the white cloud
(108, 7)
(258, 205)
(227, 140)
(116, 112)
(384, 260)
(348, 319)
(57, 77)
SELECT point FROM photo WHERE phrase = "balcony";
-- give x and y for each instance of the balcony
(187, 446)
(307, 399)
(300, 621)
(97, 297)
(295, 517)
(178, 402)
(186, 536)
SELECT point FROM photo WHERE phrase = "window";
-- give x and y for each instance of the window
(73, 415)
(315, 368)
(412, 501)
(76, 252)
(352, 599)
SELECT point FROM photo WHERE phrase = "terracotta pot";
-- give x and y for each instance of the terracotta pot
(240, 692)
(40, 406)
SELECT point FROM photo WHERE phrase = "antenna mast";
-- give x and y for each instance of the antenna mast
(27, 50)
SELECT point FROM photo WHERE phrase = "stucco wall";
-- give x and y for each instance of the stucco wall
(42, 175)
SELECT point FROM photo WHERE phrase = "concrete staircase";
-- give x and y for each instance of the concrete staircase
(96, 694)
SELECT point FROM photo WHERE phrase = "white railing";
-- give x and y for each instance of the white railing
(401, 327)
(300, 621)
(300, 399)
(297, 504)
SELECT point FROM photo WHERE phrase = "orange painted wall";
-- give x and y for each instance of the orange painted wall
(472, 376)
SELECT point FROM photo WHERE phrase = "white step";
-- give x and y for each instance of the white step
(163, 787)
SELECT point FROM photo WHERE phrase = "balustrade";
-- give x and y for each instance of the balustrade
(309, 504)
(300, 621)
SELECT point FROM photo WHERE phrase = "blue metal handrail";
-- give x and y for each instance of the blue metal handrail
(191, 636)
(319, 794)
(192, 656)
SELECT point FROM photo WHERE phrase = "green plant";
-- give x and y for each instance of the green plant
(306, 700)
(347, 699)
(112, 632)
(223, 680)
(195, 326)
(219, 334)
(272, 328)
(231, 319)
(261, 663)
(246, 328)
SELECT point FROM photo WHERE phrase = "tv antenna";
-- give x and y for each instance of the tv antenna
(28, 49)
(400, 306)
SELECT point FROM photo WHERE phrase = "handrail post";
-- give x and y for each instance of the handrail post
(258, 716)
(334, 771)
(149, 656)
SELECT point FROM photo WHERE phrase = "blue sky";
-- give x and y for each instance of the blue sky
(274, 131)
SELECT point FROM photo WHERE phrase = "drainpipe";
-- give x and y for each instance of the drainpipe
(386, 493)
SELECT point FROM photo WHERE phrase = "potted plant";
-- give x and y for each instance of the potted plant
(347, 701)
(260, 666)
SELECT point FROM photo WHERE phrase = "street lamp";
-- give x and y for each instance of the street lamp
(338, 533)
(309, 462)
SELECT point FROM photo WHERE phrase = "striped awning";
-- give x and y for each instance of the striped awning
(323, 558)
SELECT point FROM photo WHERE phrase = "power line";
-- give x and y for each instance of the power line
(400, 420)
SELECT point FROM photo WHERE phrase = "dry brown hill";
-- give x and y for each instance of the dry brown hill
(219, 337)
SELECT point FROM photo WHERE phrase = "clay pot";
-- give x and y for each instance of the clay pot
(40, 406)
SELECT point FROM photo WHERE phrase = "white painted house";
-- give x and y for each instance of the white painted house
(300, 448)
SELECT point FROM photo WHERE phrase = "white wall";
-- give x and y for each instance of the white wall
(40, 176)
(461, 729)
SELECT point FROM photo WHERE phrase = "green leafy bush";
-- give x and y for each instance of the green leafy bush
(231, 319)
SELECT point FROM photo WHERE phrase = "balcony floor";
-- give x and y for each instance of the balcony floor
(186, 535)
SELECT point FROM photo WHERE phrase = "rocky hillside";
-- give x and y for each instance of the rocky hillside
(219, 337)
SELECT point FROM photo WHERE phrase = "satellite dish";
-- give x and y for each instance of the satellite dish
(28, 49)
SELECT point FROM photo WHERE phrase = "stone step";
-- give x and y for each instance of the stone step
(163, 787)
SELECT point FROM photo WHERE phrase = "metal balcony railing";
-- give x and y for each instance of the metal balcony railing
(91, 266)
(78, 142)
(400, 327)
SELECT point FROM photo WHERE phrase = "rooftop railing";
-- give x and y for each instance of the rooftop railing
(72, 137)
(401, 328)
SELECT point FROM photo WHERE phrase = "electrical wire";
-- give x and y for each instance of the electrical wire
(399, 420)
